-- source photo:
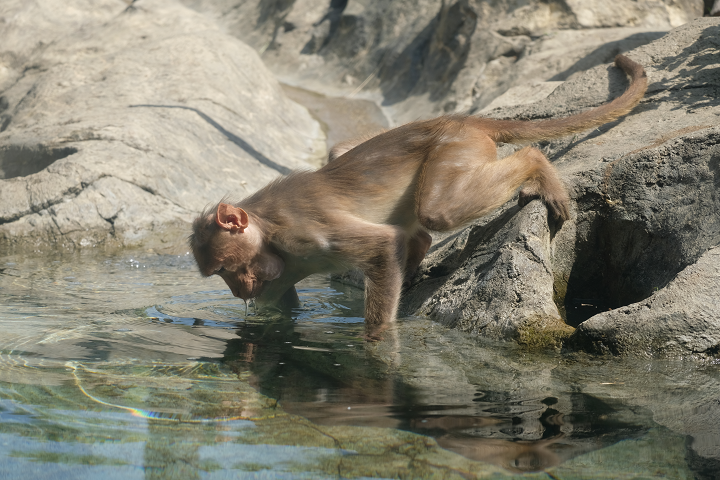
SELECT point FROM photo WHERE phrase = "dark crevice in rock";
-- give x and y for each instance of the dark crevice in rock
(29, 94)
(111, 221)
(619, 263)
(23, 160)
(4, 122)
(434, 59)
(715, 170)
(274, 11)
(712, 351)
(327, 27)
(654, 221)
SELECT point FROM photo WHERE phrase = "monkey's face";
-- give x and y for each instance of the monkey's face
(244, 261)
(247, 279)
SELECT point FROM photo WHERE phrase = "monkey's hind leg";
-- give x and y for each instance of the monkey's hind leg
(546, 185)
(448, 198)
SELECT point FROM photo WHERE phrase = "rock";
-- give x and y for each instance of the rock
(422, 58)
(646, 227)
(678, 320)
(494, 279)
(120, 123)
(522, 94)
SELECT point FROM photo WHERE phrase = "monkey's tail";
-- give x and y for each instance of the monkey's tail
(517, 131)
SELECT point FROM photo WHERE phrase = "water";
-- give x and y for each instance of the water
(133, 366)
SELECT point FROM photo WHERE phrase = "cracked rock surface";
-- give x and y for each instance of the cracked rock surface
(119, 123)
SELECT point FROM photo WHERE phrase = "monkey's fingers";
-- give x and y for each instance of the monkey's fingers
(559, 208)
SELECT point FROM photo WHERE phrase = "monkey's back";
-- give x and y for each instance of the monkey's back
(381, 174)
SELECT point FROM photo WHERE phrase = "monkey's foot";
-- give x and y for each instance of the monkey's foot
(558, 207)
(373, 334)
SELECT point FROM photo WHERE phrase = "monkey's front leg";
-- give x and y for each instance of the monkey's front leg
(380, 252)
(383, 284)
(289, 299)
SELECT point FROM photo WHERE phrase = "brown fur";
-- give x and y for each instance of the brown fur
(371, 206)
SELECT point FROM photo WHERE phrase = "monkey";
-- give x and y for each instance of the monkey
(373, 205)
(345, 146)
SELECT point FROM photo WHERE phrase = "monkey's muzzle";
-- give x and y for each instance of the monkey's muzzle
(247, 290)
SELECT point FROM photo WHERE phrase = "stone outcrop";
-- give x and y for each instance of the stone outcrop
(678, 320)
(641, 247)
(494, 279)
(118, 122)
(422, 58)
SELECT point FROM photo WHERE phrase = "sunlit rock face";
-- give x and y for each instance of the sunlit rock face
(646, 210)
(119, 122)
(427, 57)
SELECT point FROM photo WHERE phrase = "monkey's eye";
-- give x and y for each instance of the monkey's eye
(220, 270)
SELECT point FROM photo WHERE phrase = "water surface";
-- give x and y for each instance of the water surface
(133, 366)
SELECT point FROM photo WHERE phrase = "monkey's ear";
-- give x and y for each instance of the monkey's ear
(232, 219)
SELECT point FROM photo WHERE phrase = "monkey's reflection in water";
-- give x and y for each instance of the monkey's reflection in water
(516, 456)
(349, 382)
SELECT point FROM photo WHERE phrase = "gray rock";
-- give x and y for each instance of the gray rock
(678, 320)
(494, 279)
(422, 58)
(647, 203)
(120, 122)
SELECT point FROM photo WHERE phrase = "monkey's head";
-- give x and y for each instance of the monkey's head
(227, 243)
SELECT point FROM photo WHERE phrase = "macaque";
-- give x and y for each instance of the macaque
(372, 205)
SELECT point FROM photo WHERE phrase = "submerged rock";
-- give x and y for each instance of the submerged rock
(119, 123)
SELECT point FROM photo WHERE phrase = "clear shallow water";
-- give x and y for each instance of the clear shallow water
(132, 366)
